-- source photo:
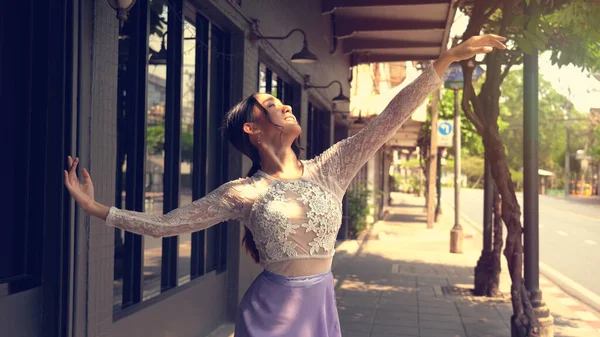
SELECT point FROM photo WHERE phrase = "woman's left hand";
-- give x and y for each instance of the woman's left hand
(482, 44)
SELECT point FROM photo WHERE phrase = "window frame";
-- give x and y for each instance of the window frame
(132, 296)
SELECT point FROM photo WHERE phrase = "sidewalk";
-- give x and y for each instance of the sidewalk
(402, 281)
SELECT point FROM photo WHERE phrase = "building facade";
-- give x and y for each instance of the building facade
(141, 105)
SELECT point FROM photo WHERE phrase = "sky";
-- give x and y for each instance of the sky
(561, 78)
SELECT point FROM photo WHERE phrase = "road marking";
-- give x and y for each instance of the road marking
(590, 242)
(562, 233)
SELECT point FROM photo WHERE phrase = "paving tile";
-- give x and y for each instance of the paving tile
(404, 319)
(356, 326)
(400, 301)
(393, 306)
(490, 313)
(356, 312)
(391, 329)
(384, 334)
(349, 302)
(488, 332)
(441, 318)
(423, 324)
(438, 311)
(482, 320)
(357, 318)
(397, 313)
(436, 304)
(442, 333)
(352, 333)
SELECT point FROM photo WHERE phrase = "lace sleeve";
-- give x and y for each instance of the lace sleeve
(342, 161)
(224, 203)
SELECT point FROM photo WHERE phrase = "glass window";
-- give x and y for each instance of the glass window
(155, 151)
(262, 78)
(144, 269)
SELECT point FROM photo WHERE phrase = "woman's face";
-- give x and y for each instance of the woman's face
(280, 114)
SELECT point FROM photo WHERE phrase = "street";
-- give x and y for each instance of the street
(569, 232)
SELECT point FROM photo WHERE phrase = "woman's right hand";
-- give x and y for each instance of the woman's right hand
(83, 193)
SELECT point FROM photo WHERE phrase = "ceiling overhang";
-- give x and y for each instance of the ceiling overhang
(391, 30)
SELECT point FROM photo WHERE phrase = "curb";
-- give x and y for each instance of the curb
(569, 286)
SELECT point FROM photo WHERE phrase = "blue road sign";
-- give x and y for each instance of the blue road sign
(455, 74)
(445, 128)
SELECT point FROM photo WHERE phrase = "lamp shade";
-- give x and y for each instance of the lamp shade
(341, 98)
(122, 7)
(121, 4)
(304, 56)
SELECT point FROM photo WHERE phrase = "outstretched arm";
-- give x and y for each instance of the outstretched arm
(343, 160)
(225, 203)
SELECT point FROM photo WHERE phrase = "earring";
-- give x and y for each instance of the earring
(258, 139)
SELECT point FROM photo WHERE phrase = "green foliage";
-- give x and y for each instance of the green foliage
(552, 125)
(359, 207)
(155, 139)
(574, 34)
(187, 146)
(473, 168)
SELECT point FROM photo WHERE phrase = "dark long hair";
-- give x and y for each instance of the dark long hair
(233, 130)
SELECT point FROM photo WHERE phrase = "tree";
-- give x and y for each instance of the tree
(529, 24)
(552, 124)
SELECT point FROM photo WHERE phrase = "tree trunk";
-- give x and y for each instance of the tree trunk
(494, 280)
(483, 111)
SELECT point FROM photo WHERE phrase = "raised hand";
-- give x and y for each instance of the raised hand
(83, 193)
(476, 45)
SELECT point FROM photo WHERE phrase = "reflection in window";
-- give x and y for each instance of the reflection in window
(187, 146)
(262, 78)
(155, 153)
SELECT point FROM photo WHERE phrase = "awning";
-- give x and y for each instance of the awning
(390, 30)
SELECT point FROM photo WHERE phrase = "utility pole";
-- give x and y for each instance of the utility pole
(531, 238)
(456, 234)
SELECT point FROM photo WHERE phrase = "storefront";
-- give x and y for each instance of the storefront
(141, 106)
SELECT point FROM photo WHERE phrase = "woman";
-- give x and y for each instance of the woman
(291, 208)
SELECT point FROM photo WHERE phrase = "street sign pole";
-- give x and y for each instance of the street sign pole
(456, 234)
(453, 79)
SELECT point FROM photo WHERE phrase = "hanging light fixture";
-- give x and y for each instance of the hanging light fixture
(340, 98)
(303, 56)
(160, 58)
(122, 7)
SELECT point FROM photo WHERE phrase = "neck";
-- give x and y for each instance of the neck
(280, 162)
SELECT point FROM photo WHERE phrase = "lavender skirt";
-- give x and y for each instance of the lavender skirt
(281, 306)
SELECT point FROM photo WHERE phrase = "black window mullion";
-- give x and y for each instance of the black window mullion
(225, 67)
(172, 137)
(216, 157)
(136, 149)
(200, 142)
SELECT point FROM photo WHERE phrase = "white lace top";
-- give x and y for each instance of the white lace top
(294, 222)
